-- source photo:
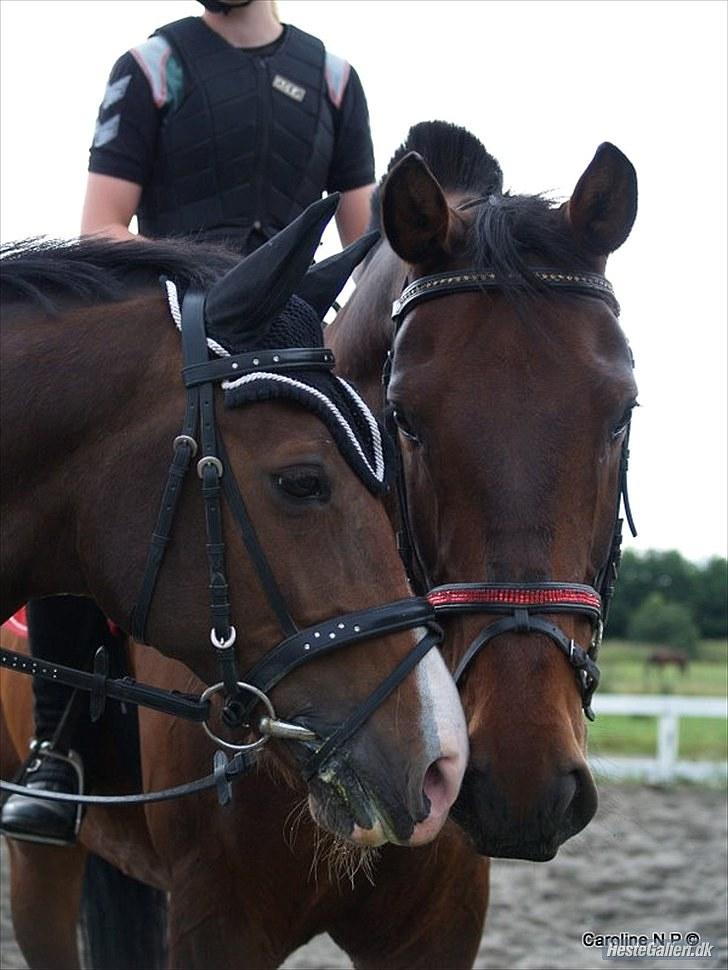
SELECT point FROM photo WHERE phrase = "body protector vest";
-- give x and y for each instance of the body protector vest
(249, 147)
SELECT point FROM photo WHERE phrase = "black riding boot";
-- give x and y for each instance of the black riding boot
(67, 630)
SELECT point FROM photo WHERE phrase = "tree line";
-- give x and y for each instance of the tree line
(662, 597)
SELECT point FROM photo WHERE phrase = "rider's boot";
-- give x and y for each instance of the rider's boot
(65, 630)
(43, 820)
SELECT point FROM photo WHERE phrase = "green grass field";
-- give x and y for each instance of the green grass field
(624, 672)
(701, 738)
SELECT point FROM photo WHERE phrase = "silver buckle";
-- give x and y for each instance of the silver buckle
(213, 462)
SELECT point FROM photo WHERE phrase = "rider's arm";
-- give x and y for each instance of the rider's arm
(143, 85)
(353, 214)
(352, 165)
(109, 206)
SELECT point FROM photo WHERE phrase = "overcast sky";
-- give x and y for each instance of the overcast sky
(542, 84)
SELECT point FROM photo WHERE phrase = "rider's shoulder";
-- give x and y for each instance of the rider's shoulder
(160, 66)
(338, 72)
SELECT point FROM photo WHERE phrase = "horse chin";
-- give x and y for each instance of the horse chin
(500, 829)
(343, 805)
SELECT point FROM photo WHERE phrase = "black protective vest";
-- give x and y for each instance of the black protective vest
(251, 144)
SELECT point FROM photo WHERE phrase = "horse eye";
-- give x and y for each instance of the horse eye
(623, 422)
(404, 426)
(306, 484)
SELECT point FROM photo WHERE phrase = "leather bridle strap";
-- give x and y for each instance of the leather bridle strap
(225, 771)
(367, 708)
(607, 578)
(235, 365)
(122, 689)
(337, 632)
(407, 547)
(586, 670)
(185, 449)
(255, 551)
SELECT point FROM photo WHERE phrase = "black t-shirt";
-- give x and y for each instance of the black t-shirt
(147, 83)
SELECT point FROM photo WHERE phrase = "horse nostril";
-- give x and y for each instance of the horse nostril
(441, 784)
(440, 787)
(584, 801)
(566, 792)
(575, 802)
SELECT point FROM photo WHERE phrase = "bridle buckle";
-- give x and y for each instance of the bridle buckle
(213, 462)
(223, 643)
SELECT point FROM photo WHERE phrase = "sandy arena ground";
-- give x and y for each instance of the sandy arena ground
(653, 859)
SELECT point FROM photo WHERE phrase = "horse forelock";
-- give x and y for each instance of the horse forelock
(512, 232)
(458, 160)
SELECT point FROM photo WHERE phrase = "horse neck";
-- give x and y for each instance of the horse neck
(72, 385)
(361, 335)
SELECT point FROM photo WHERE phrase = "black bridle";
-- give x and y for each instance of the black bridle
(519, 604)
(298, 647)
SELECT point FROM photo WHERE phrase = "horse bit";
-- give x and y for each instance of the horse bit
(298, 646)
(519, 602)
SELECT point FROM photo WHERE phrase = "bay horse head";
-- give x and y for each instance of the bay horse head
(288, 552)
(510, 387)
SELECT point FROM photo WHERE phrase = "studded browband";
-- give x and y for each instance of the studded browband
(469, 280)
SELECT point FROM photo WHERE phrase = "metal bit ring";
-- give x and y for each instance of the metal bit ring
(254, 745)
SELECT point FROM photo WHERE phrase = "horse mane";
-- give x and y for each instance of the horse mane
(92, 269)
(509, 231)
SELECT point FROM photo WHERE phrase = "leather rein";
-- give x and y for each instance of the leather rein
(298, 647)
(519, 605)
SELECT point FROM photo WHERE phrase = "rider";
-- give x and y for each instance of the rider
(224, 126)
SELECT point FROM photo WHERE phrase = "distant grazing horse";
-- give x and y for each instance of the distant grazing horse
(666, 657)
(91, 382)
(511, 385)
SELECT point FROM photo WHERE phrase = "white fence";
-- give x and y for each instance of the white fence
(666, 766)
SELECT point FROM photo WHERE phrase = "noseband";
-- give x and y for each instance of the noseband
(519, 605)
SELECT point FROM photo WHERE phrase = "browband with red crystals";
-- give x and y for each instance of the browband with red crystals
(505, 597)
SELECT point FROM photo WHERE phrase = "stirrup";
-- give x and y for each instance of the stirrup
(44, 749)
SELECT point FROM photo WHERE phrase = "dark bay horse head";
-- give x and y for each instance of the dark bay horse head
(92, 400)
(511, 384)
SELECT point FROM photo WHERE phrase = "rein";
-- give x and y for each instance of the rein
(298, 647)
(519, 602)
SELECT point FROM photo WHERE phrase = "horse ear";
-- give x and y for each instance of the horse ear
(325, 280)
(244, 303)
(603, 206)
(415, 213)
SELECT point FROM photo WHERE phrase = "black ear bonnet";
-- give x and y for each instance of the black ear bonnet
(274, 299)
(358, 435)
